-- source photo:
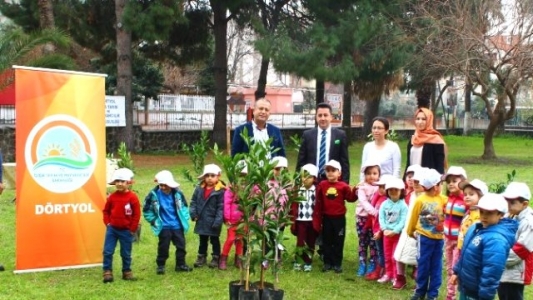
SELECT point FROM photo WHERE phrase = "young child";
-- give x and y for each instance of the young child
(165, 208)
(329, 215)
(485, 250)
(392, 216)
(379, 197)
(207, 210)
(406, 250)
(303, 216)
(426, 226)
(472, 191)
(454, 212)
(232, 219)
(519, 267)
(409, 182)
(122, 213)
(275, 201)
(363, 210)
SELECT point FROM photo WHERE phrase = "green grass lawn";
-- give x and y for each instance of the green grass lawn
(514, 154)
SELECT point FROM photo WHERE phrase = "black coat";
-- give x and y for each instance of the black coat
(338, 150)
(208, 213)
(433, 156)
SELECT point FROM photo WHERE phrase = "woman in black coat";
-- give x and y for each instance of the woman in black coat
(426, 147)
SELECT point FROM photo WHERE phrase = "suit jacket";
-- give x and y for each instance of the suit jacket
(433, 156)
(338, 150)
(239, 146)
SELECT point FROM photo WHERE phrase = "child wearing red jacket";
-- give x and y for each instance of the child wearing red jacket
(373, 222)
(122, 213)
(329, 215)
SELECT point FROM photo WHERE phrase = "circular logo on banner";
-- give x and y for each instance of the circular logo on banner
(60, 153)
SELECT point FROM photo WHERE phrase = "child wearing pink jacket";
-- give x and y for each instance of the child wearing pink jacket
(232, 219)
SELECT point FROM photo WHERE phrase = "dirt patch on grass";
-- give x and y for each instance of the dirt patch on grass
(476, 160)
(159, 161)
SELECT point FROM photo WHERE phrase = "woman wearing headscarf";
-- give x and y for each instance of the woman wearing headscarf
(426, 147)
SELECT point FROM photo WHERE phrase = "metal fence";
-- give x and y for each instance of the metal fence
(165, 118)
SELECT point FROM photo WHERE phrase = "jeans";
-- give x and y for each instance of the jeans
(125, 237)
(429, 259)
(177, 238)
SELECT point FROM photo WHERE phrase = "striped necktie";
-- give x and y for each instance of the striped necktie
(322, 157)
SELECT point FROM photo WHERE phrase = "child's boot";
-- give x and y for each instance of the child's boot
(399, 283)
(375, 275)
(238, 261)
(201, 260)
(371, 267)
(128, 275)
(214, 261)
(222, 262)
(108, 276)
(362, 268)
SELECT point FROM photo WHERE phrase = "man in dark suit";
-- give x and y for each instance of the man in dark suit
(260, 130)
(332, 142)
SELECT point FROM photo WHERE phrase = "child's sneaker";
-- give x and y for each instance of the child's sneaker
(297, 267)
(108, 276)
(160, 270)
(399, 283)
(370, 268)
(362, 269)
(384, 279)
(308, 268)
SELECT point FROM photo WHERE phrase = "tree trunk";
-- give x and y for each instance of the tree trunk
(488, 145)
(320, 91)
(347, 110)
(371, 111)
(320, 87)
(468, 108)
(46, 14)
(46, 21)
(220, 30)
(124, 72)
(262, 80)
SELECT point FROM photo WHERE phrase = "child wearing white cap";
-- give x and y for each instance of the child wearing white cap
(454, 212)
(426, 226)
(364, 210)
(392, 215)
(303, 218)
(519, 267)
(166, 209)
(407, 250)
(122, 213)
(473, 191)
(485, 250)
(329, 215)
(207, 210)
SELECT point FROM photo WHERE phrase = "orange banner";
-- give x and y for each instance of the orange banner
(60, 166)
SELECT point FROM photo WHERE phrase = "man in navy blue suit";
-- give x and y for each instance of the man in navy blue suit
(336, 146)
(259, 130)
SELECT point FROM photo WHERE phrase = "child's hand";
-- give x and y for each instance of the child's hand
(388, 232)
(195, 219)
(453, 279)
(377, 235)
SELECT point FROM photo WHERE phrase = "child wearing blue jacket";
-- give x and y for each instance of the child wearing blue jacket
(485, 250)
(165, 208)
